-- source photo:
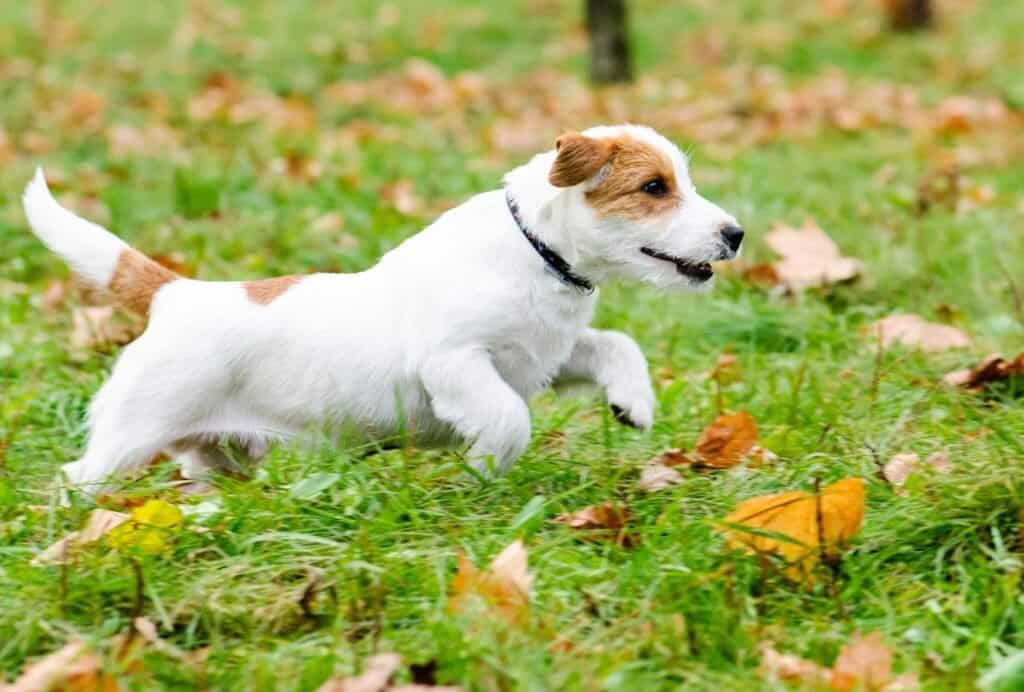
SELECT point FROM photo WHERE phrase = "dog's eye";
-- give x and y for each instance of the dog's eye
(655, 187)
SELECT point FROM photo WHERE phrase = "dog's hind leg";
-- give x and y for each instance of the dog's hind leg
(132, 419)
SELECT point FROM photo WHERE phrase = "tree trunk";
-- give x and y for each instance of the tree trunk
(909, 15)
(609, 41)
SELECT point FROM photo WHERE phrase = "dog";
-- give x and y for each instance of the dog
(443, 341)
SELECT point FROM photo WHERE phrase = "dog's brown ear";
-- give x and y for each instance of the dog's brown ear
(579, 158)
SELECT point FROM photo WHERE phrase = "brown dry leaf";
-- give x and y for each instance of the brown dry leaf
(993, 368)
(939, 461)
(402, 196)
(54, 669)
(912, 331)
(864, 663)
(99, 327)
(809, 258)
(726, 370)
(792, 668)
(605, 521)
(101, 521)
(655, 477)
(727, 441)
(899, 468)
(504, 588)
(75, 668)
(763, 274)
(795, 515)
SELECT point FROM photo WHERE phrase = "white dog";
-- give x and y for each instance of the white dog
(444, 340)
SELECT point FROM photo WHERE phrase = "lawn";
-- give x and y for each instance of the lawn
(244, 140)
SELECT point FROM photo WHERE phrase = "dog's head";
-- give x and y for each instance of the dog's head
(633, 211)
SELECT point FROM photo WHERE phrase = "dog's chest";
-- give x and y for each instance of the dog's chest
(540, 341)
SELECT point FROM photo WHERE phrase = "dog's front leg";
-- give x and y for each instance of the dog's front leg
(468, 393)
(614, 362)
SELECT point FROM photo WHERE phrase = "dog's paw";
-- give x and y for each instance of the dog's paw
(638, 413)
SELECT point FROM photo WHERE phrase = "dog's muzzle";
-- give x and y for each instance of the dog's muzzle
(699, 271)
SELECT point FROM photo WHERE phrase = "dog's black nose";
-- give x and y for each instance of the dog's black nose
(733, 237)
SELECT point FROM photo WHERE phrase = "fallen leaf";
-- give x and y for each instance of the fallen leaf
(939, 460)
(655, 477)
(402, 196)
(864, 663)
(809, 258)
(504, 588)
(101, 521)
(726, 370)
(899, 468)
(994, 368)
(912, 331)
(53, 669)
(727, 441)
(798, 526)
(605, 521)
(791, 668)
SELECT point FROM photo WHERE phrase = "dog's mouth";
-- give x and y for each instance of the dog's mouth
(699, 271)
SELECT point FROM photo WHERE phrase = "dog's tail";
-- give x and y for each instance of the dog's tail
(95, 254)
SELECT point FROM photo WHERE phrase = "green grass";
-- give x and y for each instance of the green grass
(937, 570)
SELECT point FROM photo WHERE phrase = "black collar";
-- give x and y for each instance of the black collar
(554, 261)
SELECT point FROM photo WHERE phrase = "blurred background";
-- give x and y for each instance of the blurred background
(313, 135)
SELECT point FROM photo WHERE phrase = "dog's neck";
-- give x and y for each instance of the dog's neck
(542, 209)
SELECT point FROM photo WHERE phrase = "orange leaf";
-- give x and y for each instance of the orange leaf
(865, 661)
(605, 521)
(810, 522)
(504, 589)
(725, 442)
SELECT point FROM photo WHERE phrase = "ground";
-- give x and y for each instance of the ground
(256, 139)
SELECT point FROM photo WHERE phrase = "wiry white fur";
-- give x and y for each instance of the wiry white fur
(90, 250)
(446, 338)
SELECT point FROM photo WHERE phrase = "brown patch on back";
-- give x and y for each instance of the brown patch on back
(136, 280)
(264, 291)
(633, 164)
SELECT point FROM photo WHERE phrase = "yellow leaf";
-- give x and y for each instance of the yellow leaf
(150, 527)
(805, 524)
